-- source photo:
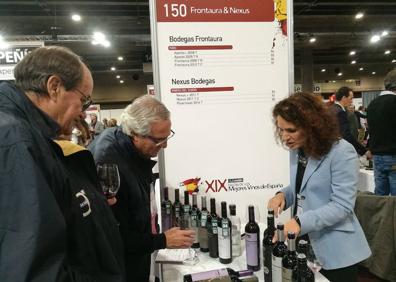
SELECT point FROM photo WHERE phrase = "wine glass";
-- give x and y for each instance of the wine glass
(185, 223)
(312, 261)
(109, 178)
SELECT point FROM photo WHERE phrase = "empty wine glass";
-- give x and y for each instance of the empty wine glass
(185, 223)
(312, 261)
(109, 178)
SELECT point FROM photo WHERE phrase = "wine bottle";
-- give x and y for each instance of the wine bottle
(304, 274)
(224, 236)
(252, 240)
(235, 231)
(268, 246)
(166, 211)
(278, 252)
(212, 230)
(186, 217)
(202, 231)
(302, 247)
(195, 220)
(216, 275)
(289, 261)
(177, 209)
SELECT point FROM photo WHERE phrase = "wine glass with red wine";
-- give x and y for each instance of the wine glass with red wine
(109, 178)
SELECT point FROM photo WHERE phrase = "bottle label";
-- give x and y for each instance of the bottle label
(226, 227)
(177, 211)
(194, 218)
(203, 237)
(224, 245)
(168, 208)
(286, 274)
(204, 216)
(276, 268)
(252, 252)
(209, 275)
(214, 225)
(186, 209)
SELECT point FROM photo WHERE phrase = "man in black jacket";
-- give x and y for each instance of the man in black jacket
(381, 119)
(344, 98)
(145, 130)
(52, 88)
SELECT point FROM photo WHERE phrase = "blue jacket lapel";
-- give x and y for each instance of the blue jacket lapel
(312, 166)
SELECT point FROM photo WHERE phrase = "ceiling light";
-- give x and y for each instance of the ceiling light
(100, 38)
(352, 53)
(387, 52)
(312, 39)
(118, 76)
(373, 72)
(353, 62)
(359, 16)
(323, 70)
(334, 81)
(393, 61)
(113, 68)
(361, 69)
(384, 33)
(120, 58)
(339, 74)
(375, 38)
(76, 17)
(121, 81)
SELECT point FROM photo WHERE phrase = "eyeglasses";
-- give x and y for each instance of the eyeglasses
(86, 100)
(160, 141)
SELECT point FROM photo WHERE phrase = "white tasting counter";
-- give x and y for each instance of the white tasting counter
(175, 272)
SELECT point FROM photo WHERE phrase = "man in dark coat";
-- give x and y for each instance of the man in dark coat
(344, 97)
(145, 130)
(37, 205)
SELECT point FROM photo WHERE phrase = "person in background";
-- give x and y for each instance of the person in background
(80, 134)
(145, 130)
(344, 97)
(323, 183)
(96, 127)
(112, 122)
(105, 122)
(353, 121)
(381, 119)
(52, 89)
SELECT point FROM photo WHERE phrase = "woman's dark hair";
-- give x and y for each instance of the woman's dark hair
(32, 73)
(309, 113)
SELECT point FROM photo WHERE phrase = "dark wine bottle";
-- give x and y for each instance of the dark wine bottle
(289, 261)
(185, 222)
(216, 275)
(177, 209)
(202, 231)
(304, 274)
(166, 211)
(252, 240)
(212, 230)
(224, 236)
(195, 220)
(278, 252)
(302, 247)
(268, 246)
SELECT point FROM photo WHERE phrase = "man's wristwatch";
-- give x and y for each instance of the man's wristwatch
(297, 220)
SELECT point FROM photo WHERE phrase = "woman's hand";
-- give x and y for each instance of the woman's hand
(292, 226)
(277, 203)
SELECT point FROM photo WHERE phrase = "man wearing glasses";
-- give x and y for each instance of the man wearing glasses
(47, 229)
(145, 130)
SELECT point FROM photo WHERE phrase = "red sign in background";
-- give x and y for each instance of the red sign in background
(215, 10)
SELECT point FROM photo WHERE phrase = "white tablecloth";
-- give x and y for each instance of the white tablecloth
(366, 180)
(175, 272)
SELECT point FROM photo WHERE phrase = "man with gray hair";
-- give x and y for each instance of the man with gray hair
(381, 119)
(145, 130)
(46, 223)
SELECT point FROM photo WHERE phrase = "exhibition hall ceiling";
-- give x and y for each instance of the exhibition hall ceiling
(126, 26)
